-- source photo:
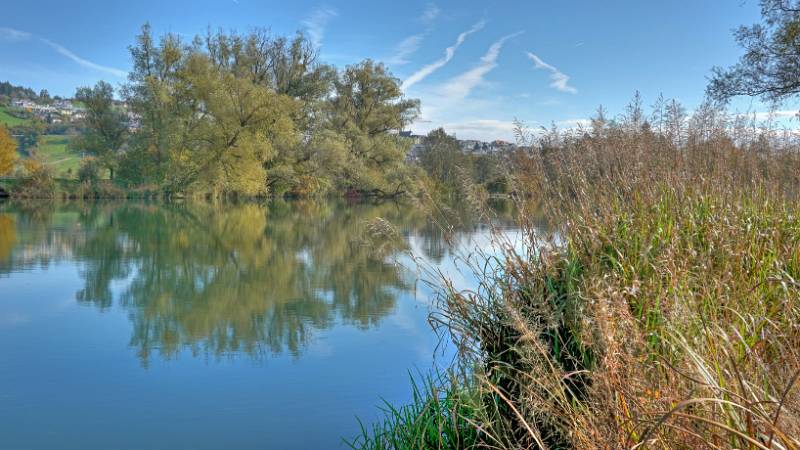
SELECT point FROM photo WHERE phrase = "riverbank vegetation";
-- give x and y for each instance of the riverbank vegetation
(662, 313)
(249, 114)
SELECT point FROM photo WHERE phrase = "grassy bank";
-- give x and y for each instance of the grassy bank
(663, 313)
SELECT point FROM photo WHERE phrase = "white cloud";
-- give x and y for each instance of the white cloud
(776, 115)
(449, 52)
(406, 48)
(18, 35)
(411, 44)
(574, 123)
(11, 34)
(430, 14)
(84, 62)
(460, 86)
(483, 129)
(315, 24)
(559, 80)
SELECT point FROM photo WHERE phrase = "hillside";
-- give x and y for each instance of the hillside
(9, 120)
(55, 152)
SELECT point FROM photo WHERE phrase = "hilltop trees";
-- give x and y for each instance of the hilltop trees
(9, 91)
(770, 67)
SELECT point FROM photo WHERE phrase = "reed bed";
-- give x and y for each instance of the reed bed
(663, 312)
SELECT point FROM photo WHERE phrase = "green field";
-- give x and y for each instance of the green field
(9, 120)
(54, 151)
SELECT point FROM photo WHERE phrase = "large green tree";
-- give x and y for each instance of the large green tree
(206, 121)
(252, 113)
(443, 160)
(367, 105)
(106, 125)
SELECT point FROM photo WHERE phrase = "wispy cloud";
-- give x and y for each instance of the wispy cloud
(482, 129)
(460, 86)
(559, 80)
(315, 24)
(772, 115)
(408, 46)
(574, 123)
(449, 52)
(84, 62)
(10, 34)
(18, 35)
(430, 14)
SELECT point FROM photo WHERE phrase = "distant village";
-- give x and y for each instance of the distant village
(65, 111)
(59, 111)
(468, 146)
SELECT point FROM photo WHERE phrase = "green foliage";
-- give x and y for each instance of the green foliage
(89, 171)
(443, 160)
(17, 92)
(768, 69)
(455, 172)
(368, 101)
(29, 133)
(37, 180)
(106, 126)
(438, 417)
(250, 114)
(491, 172)
(10, 119)
(366, 105)
(8, 152)
(56, 152)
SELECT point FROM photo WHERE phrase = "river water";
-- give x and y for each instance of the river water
(199, 326)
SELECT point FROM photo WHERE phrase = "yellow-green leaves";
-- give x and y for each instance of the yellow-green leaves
(8, 152)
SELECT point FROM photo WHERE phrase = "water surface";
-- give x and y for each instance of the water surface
(132, 326)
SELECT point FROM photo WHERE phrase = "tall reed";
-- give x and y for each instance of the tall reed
(662, 313)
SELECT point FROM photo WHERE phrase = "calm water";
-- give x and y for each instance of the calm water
(143, 326)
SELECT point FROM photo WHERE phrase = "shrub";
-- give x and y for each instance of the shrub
(37, 180)
(89, 171)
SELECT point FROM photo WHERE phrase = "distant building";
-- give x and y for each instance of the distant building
(468, 146)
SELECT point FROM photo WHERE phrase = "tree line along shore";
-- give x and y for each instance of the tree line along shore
(240, 115)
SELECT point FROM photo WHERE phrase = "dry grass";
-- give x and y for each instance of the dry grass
(667, 317)
(663, 312)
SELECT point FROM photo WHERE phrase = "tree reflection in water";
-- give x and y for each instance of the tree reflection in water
(224, 279)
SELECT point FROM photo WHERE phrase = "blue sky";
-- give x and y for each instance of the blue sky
(476, 66)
